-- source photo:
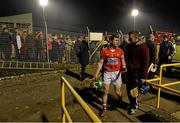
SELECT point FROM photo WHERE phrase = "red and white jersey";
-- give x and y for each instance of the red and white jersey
(112, 58)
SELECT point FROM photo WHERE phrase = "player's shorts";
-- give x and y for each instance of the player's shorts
(111, 77)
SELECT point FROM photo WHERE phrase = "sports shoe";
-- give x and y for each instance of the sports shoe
(102, 112)
(104, 109)
(131, 111)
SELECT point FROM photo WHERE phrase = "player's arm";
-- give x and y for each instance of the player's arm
(100, 64)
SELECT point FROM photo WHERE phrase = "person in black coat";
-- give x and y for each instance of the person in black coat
(5, 44)
(152, 53)
(55, 48)
(166, 52)
(84, 57)
(152, 48)
(77, 49)
(123, 46)
(30, 46)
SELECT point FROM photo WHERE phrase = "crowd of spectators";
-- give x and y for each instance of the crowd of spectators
(25, 45)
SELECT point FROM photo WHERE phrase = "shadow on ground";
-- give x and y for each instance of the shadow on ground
(72, 74)
(44, 118)
(94, 97)
(166, 95)
(174, 74)
(158, 115)
(76, 75)
(147, 118)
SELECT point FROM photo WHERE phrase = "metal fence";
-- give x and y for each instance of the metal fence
(24, 45)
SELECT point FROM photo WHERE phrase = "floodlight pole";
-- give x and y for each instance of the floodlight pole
(134, 22)
(46, 35)
(134, 13)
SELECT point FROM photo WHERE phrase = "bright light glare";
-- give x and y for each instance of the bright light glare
(135, 12)
(43, 2)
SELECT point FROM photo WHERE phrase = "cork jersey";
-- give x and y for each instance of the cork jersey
(112, 58)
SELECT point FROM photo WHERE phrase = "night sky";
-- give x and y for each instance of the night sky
(100, 15)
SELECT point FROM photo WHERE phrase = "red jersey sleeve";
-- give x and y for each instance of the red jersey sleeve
(122, 54)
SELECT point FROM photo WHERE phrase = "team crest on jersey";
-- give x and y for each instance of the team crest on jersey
(112, 61)
(118, 55)
(107, 55)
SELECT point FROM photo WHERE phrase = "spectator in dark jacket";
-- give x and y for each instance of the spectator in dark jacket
(123, 46)
(39, 46)
(137, 67)
(5, 44)
(61, 49)
(30, 46)
(152, 48)
(77, 48)
(125, 42)
(55, 49)
(166, 52)
(84, 57)
(152, 53)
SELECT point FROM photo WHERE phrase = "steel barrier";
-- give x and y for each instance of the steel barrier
(163, 86)
(86, 108)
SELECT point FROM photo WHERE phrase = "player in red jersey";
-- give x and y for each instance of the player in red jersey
(112, 61)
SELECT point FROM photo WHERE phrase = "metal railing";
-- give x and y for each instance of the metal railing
(25, 65)
(163, 86)
(65, 114)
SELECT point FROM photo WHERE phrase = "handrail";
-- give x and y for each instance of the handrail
(172, 83)
(168, 65)
(85, 107)
(163, 86)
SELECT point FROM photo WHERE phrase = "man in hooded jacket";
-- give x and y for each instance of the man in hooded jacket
(137, 67)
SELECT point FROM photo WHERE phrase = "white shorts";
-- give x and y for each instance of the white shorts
(111, 76)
